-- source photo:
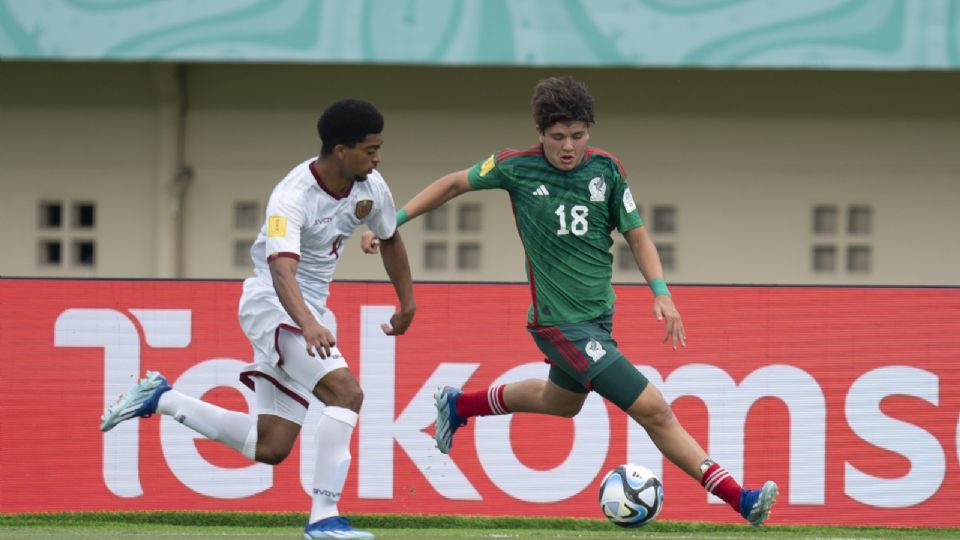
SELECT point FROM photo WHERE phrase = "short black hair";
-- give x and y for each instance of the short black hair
(561, 99)
(348, 122)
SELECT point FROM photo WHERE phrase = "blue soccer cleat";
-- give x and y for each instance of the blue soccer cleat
(139, 401)
(756, 504)
(448, 421)
(333, 527)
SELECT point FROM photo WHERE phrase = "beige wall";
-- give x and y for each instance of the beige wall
(742, 155)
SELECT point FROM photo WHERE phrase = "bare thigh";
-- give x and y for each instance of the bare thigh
(339, 388)
(542, 396)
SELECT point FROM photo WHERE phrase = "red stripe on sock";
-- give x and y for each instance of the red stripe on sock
(482, 403)
(720, 483)
(495, 397)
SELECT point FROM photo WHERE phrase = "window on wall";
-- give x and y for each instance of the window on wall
(50, 253)
(247, 220)
(859, 219)
(241, 253)
(451, 242)
(842, 239)
(825, 259)
(436, 220)
(668, 256)
(84, 253)
(664, 219)
(66, 234)
(50, 215)
(858, 259)
(469, 217)
(84, 215)
(824, 219)
(246, 215)
(662, 225)
(468, 256)
(435, 256)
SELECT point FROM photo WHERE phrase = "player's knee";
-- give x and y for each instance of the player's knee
(348, 396)
(354, 398)
(272, 455)
(663, 414)
(656, 414)
(568, 410)
(340, 391)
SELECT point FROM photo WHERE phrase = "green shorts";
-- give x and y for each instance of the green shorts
(584, 357)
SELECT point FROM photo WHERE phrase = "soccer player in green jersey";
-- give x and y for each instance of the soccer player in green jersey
(567, 199)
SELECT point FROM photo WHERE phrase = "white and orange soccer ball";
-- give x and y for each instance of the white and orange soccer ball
(631, 495)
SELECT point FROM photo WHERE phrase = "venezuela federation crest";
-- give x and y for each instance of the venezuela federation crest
(363, 208)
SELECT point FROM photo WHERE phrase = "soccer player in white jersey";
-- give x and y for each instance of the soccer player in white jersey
(283, 310)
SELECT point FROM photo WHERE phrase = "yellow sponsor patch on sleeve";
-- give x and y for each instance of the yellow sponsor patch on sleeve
(276, 226)
(487, 165)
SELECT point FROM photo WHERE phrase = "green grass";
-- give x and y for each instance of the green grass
(255, 526)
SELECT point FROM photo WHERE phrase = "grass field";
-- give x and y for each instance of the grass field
(256, 526)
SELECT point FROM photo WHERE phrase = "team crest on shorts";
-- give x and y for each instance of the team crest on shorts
(363, 208)
(595, 350)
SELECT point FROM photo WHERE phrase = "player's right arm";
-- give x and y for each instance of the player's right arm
(285, 217)
(283, 270)
(433, 196)
(438, 193)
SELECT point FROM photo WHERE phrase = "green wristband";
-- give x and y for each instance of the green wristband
(659, 287)
(402, 217)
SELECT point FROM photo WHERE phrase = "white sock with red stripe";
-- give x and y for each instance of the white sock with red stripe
(718, 481)
(483, 403)
(234, 429)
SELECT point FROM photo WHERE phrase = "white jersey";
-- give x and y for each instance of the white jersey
(307, 222)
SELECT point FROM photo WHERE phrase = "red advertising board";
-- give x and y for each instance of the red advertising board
(845, 396)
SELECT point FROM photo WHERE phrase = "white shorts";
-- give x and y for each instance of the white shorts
(285, 389)
(282, 375)
(261, 314)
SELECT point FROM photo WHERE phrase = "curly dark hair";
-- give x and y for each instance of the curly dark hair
(561, 99)
(348, 122)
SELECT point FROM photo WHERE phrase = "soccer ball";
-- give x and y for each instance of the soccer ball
(631, 495)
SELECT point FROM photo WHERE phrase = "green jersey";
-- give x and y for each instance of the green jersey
(565, 220)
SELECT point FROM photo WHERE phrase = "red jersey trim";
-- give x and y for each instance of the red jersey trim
(534, 150)
(316, 176)
(530, 278)
(276, 339)
(604, 153)
(288, 254)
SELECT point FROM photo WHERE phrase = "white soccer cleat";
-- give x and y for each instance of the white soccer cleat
(756, 504)
(140, 401)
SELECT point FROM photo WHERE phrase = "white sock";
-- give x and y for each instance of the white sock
(333, 460)
(232, 428)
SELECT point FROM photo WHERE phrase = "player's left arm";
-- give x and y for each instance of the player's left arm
(397, 265)
(648, 261)
(383, 224)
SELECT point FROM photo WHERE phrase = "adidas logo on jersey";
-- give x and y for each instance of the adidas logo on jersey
(541, 191)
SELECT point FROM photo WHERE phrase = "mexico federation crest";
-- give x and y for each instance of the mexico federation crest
(598, 189)
(595, 350)
(363, 208)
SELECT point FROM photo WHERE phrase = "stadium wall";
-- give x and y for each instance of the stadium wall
(840, 394)
(742, 157)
